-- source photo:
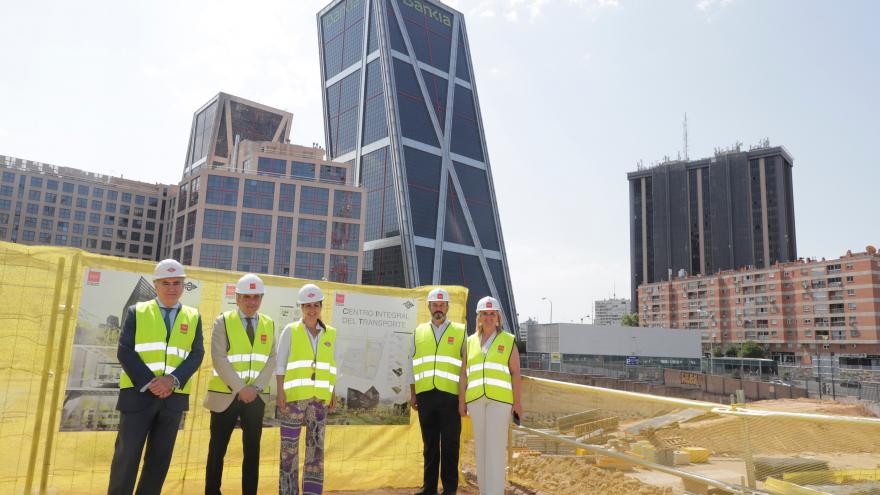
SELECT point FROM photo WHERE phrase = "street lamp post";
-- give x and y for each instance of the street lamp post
(551, 307)
(586, 316)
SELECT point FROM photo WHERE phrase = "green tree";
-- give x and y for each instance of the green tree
(731, 351)
(752, 349)
(629, 320)
(717, 351)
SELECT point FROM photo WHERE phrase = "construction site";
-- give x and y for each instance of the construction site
(58, 421)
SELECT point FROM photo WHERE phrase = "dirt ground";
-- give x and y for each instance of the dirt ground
(844, 446)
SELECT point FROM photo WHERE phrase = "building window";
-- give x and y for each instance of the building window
(283, 243)
(139, 199)
(9, 177)
(126, 197)
(333, 174)
(309, 265)
(221, 191)
(345, 236)
(51, 197)
(258, 194)
(45, 237)
(133, 249)
(178, 230)
(191, 225)
(28, 235)
(312, 233)
(346, 204)
(46, 224)
(110, 207)
(34, 195)
(194, 187)
(49, 211)
(187, 258)
(6, 191)
(343, 269)
(286, 197)
(851, 306)
(82, 190)
(97, 205)
(273, 167)
(314, 200)
(215, 256)
(255, 228)
(36, 182)
(95, 217)
(109, 219)
(82, 203)
(97, 192)
(850, 279)
(850, 292)
(301, 170)
(255, 260)
(219, 224)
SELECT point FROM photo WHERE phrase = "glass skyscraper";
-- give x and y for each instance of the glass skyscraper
(400, 105)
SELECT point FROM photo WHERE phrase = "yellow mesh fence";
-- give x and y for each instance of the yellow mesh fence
(575, 439)
(40, 289)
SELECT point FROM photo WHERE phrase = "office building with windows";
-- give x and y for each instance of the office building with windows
(401, 106)
(608, 312)
(63, 206)
(252, 202)
(733, 210)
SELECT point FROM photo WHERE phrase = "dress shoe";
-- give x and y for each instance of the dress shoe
(448, 492)
(426, 492)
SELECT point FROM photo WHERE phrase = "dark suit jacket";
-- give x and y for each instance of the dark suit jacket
(132, 399)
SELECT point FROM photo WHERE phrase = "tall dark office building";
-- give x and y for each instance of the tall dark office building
(732, 210)
(400, 104)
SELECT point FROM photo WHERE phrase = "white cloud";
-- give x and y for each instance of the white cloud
(712, 8)
(513, 10)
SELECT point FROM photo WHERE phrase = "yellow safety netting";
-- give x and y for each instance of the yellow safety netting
(40, 290)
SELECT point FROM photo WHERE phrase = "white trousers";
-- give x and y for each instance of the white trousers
(490, 420)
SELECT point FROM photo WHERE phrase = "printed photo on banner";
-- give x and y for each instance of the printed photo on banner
(373, 338)
(93, 379)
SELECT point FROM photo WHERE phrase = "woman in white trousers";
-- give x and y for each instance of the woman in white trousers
(488, 390)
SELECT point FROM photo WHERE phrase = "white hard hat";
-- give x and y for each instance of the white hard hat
(488, 303)
(309, 293)
(168, 269)
(250, 284)
(438, 294)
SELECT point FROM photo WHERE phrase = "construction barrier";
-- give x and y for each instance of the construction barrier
(57, 430)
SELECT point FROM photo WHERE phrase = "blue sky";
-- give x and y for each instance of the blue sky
(573, 93)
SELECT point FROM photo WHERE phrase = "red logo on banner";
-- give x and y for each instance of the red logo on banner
(440, 296)
(94, 277)
(450, 340)
(263, 338)
(500, 348)
(253, 285)
(340, 298)
(184, 328)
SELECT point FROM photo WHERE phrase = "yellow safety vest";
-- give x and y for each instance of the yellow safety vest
(303, 362)
(247, 360)
(489, 375)
(436, 365)
(149, 340)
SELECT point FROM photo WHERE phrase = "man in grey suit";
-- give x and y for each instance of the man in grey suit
(243, 355)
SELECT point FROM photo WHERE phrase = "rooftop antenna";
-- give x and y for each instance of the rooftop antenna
(684, 135)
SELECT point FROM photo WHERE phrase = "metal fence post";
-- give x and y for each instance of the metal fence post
(44, 379)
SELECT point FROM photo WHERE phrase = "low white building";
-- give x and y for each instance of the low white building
(575, 346)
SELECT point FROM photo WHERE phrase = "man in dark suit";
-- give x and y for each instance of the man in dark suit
(160, 348)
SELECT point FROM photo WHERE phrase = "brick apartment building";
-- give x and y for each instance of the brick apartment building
(799, 309)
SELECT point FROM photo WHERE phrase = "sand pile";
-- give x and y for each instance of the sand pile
(575, 476)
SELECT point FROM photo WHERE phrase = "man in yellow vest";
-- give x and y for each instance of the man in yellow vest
(439, 360)
(160, 348)
(243, 355)
(305, 372)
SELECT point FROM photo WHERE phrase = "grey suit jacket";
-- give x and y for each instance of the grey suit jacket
(217, 401)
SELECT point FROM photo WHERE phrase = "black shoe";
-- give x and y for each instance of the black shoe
(448, 492)
(426, 492)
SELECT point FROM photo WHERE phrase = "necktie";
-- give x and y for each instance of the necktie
(166, 313)
(250, 330)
